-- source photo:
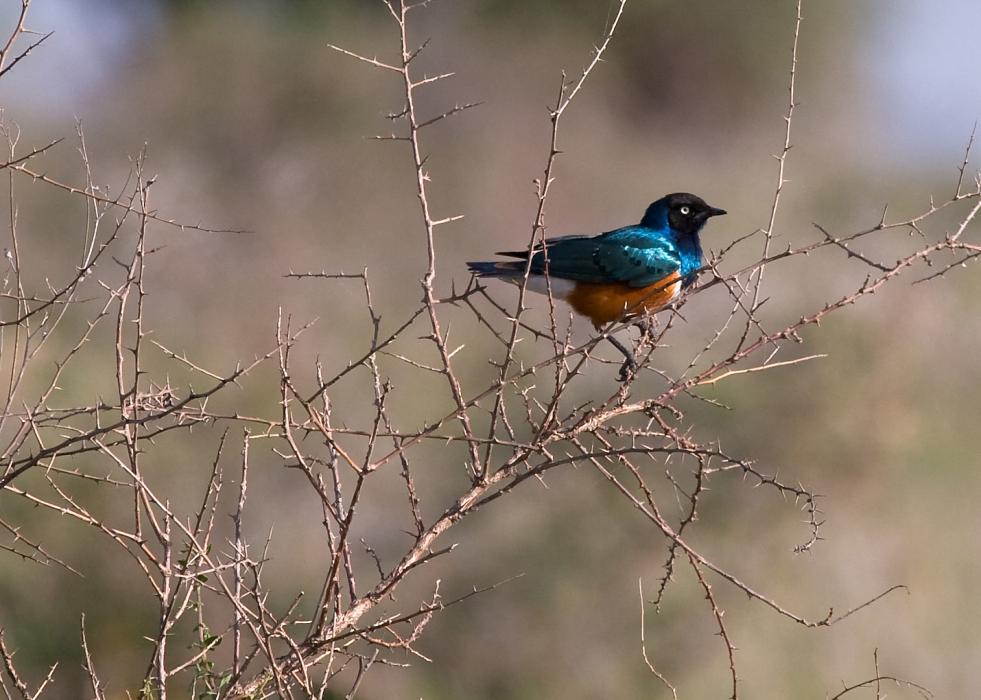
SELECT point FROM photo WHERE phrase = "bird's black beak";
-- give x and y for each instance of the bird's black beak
(712, 211)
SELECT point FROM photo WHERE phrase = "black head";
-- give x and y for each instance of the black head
(685, 213)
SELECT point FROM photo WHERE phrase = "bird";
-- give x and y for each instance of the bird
(618, 275)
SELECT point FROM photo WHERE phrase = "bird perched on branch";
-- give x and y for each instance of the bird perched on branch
(621, 274)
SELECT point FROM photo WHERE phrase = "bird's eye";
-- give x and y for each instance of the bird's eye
(685, 210)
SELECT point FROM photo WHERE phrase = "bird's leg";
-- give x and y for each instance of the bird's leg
(630, 363)
(648, 328)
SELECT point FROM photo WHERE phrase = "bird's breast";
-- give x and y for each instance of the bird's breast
(603, 303)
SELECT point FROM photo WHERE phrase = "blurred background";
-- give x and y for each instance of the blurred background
(253, 123)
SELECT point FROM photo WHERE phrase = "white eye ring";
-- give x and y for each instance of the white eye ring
(685, 210)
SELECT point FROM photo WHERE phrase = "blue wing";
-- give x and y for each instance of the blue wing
(637, 256)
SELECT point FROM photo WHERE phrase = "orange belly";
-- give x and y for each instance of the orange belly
(603, 303)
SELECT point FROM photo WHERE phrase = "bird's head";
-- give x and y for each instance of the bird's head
(685, 213)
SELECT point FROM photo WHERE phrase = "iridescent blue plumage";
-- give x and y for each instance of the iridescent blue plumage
(635, 256)
(686, 244)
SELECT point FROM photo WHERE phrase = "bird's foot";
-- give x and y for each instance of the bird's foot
(628, 369)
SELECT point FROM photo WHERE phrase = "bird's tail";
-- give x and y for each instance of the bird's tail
(498, 269)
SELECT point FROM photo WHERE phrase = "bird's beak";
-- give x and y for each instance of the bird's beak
(712, 211)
